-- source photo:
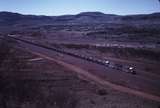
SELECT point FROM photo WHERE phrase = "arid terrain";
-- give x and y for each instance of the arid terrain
(80, 61)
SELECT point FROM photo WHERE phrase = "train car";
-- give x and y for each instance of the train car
(132, 70)
(111, 65)
(129, 69)
(106, 62)
(118, 67)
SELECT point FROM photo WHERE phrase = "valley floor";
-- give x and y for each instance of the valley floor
(45, 84)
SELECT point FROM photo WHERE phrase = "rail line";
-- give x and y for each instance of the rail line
(106, 63)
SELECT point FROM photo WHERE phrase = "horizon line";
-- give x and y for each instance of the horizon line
(79, 13)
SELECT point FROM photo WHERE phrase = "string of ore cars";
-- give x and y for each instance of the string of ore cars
(107, 63)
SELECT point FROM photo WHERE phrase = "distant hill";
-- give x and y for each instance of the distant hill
(16, 19)
(154, 16)
(8, 18)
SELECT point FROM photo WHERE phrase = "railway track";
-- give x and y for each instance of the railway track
(124, 68)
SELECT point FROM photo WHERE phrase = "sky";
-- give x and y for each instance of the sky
(61, 7)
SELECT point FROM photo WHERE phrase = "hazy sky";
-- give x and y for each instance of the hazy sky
(60, 7)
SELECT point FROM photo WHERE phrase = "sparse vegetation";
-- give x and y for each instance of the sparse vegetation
(13, 89)
(63, 98)
(131, 52)
(102, 92)
(119, 52)
(16, 91)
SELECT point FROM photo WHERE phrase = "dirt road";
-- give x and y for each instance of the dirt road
(104, 83)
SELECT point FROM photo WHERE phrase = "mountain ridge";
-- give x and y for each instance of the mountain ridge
(9, 18)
